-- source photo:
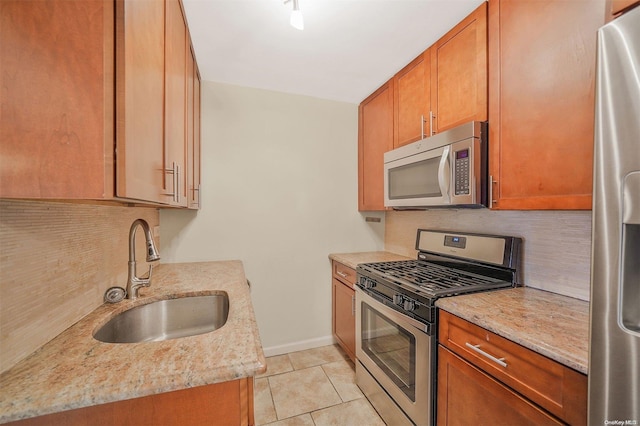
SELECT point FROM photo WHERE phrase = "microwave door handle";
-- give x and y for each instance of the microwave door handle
(444, 173)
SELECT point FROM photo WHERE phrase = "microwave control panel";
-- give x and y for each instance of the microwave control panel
(461, 172)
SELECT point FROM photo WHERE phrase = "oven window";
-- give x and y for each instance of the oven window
(415, 180)
(391, 347)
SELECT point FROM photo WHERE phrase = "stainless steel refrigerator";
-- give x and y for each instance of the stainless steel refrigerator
(614, 359)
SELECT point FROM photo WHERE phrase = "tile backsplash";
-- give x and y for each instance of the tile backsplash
(556, 248)
(56, 261)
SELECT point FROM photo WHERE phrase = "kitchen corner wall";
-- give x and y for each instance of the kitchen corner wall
(556, 248)
(56, 262)
(279, 193)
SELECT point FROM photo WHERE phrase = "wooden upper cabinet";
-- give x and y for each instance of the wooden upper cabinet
(193, 133)
(87, 113)
(375, 137)
(57, 99)
(197, 140)
(541, 102)
(140, 83)
(175, 110)
(412, 101)
(459, 73)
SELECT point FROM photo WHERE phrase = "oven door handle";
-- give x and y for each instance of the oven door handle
(392, 313)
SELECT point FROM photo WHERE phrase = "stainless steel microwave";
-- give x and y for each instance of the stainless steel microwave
(445, 170)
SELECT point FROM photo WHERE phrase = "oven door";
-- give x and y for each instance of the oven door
(398, 353)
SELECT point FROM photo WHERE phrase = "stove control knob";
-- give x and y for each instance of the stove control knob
(409, 305)
(368, 283)
(397, 299)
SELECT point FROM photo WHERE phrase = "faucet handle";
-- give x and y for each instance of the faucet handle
(145, 281)
(148, 278)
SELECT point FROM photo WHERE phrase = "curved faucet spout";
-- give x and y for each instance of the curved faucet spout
(133, 281)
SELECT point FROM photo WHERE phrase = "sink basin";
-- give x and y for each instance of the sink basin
(167, 319)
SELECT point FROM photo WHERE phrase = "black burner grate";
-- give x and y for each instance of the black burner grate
(435, 280)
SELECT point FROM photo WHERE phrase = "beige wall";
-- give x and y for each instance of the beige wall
(56, 261)
(556, 250)
(279, 193)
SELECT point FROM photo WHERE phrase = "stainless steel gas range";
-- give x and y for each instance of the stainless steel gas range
(396, 319)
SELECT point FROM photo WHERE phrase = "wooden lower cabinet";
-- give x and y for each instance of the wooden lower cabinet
(343, 308)
(224, 404)
(467, 396)
(484, 378)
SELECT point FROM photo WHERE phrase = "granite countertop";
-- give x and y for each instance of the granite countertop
(551, 324)
(548, 323)
(353, 259)
(74, 370)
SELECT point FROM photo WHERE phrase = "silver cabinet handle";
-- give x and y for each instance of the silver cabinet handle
(491, 200)
(342, 274)
(177, 183)
(431, 117)
(476, 348)
(173, 172)
(422, 120)
(197, 203)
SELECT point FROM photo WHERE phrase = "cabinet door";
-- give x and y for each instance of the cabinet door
(541, 119)
(197, 139)
(467, 396)
(225, 403)
(140, 100)
(459, 73)
(175, 124)
(375, 137)
(193, 133)
(56, 95)
(344, 320)
(412, 101)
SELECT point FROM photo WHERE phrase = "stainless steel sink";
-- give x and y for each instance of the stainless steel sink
(167, 319)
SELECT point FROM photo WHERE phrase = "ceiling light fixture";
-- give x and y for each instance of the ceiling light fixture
(296, 20)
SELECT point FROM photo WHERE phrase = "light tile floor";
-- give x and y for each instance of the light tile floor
(312, 387)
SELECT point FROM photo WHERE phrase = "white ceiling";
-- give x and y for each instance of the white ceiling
(347, 49)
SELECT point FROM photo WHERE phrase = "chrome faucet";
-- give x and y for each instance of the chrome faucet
(133, 282)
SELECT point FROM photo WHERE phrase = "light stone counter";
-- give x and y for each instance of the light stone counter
(353, 259)
(74, 370)
(548, 323)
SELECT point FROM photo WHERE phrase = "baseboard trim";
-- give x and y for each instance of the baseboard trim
(299, 346)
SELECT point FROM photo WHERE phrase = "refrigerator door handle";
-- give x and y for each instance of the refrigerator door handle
(629, 282)
(631, 199)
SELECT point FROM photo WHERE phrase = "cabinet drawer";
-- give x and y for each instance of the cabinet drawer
(344, 273)
(559, 389)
